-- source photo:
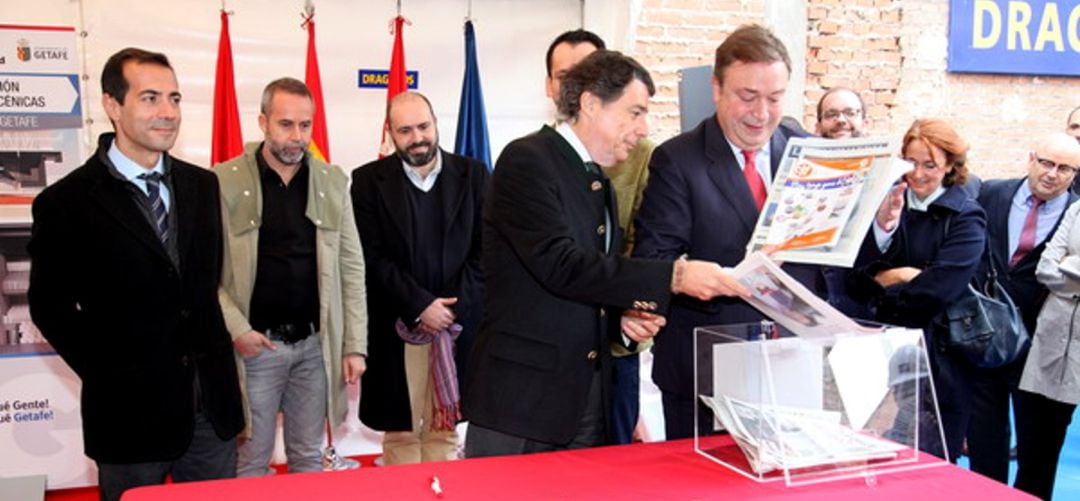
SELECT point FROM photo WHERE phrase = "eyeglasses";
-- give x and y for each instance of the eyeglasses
(1062, 169)
(849, 113)
(927, 165)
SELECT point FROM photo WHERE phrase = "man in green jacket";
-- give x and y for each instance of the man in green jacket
(292, 289)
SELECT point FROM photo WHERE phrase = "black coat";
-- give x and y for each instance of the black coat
(549, 285)
(946, 242)
(996, 197)
(697, 203)
(385, 223)
(135, 327)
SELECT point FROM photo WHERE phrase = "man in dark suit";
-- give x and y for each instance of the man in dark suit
(126, 258)
(418, 212)
(540, 372)
(1037, 203)
(706, 188)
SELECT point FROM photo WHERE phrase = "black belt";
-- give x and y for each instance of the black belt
(290, 333)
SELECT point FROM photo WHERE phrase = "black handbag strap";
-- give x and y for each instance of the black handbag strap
(990, 285)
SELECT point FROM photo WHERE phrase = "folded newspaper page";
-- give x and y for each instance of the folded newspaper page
(775, 437)
(824, 197)
(785, 300)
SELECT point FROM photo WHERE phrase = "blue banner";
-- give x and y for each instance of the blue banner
(1017, 37)
(377, 79)
(472, 133)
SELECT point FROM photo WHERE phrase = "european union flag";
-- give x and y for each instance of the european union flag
(472, 134)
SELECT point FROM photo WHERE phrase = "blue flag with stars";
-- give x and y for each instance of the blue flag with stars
(472, 133)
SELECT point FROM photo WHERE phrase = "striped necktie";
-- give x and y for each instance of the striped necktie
(157, 205)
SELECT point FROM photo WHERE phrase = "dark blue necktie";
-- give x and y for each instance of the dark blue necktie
(157, 205)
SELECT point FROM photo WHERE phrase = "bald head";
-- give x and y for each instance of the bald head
(408, 96)
(1053, 165)
(412, 126)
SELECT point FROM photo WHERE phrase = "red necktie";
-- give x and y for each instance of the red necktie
(1027, 235)
(753, 179)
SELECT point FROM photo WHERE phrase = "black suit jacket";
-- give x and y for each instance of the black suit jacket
(697, 203)
(135, 327)
(996, 199)
(549, 285)
(385, 222)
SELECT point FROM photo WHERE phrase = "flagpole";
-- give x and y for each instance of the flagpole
(226, 141)
(397, 77)
(320, 140)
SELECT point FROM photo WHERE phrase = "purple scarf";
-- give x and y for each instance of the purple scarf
(443, 372)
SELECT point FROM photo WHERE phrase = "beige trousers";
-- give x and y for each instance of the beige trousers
(422, 444)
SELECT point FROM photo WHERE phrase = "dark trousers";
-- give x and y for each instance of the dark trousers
(207, 458)
(481, 441)
(1041, 424)
(679, 416)
(625, 398)
(990, 433)
(952, 386)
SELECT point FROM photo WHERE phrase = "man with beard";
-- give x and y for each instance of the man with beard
(840, 114)
(292, 290)
(419, 216)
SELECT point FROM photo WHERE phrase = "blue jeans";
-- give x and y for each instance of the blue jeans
(292, 380)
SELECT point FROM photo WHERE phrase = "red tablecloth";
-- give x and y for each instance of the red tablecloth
(664, 470)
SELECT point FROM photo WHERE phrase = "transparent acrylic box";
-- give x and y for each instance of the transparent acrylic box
(804, 411)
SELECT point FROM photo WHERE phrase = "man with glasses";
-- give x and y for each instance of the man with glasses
(841, 113)
(1021, 216)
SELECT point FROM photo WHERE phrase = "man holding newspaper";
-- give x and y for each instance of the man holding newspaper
(705, 192)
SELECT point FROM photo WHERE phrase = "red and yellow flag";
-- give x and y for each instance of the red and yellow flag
(397, 81)
(320, 141)
(225, 139)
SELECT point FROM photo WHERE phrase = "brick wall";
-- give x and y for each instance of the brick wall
(892, 51)
(854, 44)
(674, 34)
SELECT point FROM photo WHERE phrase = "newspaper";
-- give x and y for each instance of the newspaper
(775, 437)
(824, 197)
(788, 302)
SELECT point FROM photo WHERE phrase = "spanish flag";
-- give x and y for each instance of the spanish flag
(225, 141)
(396, 84)
(320, 142)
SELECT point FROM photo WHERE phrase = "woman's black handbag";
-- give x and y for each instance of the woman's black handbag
(986, 326)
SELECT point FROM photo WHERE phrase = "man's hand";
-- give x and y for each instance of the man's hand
(888, 214)
(353, 366)
(704, 280)
(641, 326)
(894, 276)
(438, 315)
(251, 343)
